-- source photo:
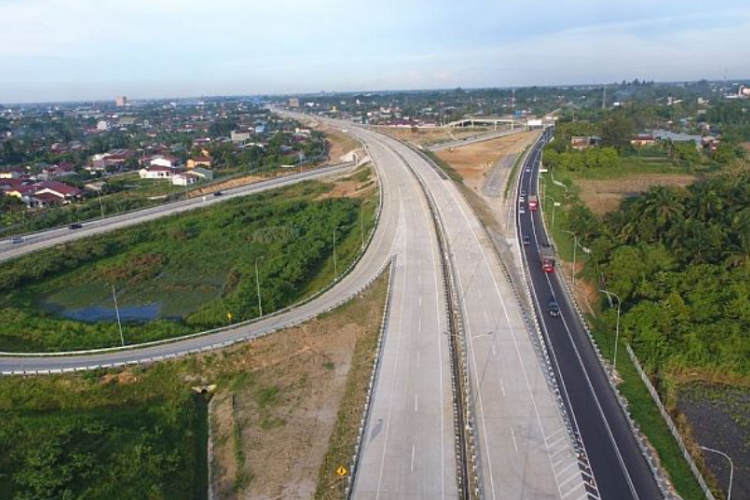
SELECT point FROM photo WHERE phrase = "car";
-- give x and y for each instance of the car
(528, 170)
(553, 308)
(526, 240)
(523, 193)
(521, 210)
(218, 193)
(75, 225)
(16, 240)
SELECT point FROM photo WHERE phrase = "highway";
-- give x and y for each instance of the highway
(49, 238)
(619, 468)
(409, 448)
(488, 136)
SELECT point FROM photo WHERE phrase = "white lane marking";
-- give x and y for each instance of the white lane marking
(438, 296)
(513, 435)
(395, 367)
(412, 458)
(419, 326)
(486, 319)
(565, 469)
(416, 402)
(502, 386)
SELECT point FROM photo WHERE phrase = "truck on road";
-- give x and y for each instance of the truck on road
(547, 257)
(533, 202)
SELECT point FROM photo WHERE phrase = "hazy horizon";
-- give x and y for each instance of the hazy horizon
(79, 50)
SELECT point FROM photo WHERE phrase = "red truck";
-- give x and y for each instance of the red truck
(548, 260)
(533, 202)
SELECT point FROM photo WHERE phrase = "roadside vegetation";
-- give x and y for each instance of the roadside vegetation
(142, 432)
(194, 271)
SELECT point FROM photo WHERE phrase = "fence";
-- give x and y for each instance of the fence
(670, 423)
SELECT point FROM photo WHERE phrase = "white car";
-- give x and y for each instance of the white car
(528, 170)
(521, 210)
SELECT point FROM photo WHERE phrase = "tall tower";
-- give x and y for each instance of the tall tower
(604, 96)
(121, 101)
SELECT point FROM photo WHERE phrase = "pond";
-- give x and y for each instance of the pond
(93, 314)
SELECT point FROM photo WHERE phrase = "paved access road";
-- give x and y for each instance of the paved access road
(620, 470)
(52, 237)
(475, 139)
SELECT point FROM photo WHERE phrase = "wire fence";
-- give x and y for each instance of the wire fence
(670, 423)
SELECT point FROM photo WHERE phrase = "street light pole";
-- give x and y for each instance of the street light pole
(617, 329)
(335, 263)
(731, 467)
(257, 284)
(362, 224)
(575, 247)
(117, 312)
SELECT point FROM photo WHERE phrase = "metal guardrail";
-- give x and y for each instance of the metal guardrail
(467, 455)
(670, 423)
(354, 465)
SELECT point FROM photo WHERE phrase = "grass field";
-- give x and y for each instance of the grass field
(195, 269)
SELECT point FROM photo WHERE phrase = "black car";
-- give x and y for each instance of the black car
(218, 193)
(526, 240)
(553, 308)
(76, 225)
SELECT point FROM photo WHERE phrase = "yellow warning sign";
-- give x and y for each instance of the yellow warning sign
(341, 471)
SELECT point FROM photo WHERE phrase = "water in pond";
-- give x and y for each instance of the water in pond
(92, 314)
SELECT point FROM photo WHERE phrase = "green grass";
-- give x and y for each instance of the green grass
(86, 437)
(514, 172)
(198, 266)
(635, 165)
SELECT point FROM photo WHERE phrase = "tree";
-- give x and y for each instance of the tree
(617, 131)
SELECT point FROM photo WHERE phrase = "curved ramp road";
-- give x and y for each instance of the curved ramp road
(620, 470)
(52, 237)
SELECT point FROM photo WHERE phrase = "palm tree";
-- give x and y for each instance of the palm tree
(665, 206)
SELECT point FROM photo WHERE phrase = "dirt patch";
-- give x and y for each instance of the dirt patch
(339, 144)
(428, 136)
(272, 423)
(124, 377)
(474, 161)
(354, 186)
(603, 196)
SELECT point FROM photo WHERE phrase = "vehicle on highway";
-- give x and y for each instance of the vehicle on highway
(16, 240)
(75, 225)
(218, 193)
(547, 257)
(523, 193)
(526, 240)
(528, 170)
(521, 209)
(533, 202)
(553, 308)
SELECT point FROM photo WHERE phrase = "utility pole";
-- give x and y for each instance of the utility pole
(257, 284)
(575, 247)
(117, 312)
(335, 263)
(362, 224)
(101, 206)
(604, 97)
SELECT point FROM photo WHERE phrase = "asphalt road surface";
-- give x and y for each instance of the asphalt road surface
(619, 468)
(52, 237)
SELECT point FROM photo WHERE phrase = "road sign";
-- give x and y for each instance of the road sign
(341, 471)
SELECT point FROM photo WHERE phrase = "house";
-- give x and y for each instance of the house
(14, 173)
(57, 171)
(642, 140)
(185, 179)
(199, 161)
(239, 136)
(164, 161)
(581, 142)
(102, 126)
(62, 191)
(203, 173)
(157, 172)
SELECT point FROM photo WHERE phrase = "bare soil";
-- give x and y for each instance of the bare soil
(271, 426)
(427, 136)
(339, 143)
(603, 196)
(474, 161)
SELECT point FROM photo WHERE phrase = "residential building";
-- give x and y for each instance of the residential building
(238, 136)
(642, 141)
(164, 161)
(121, 101)
(294, 102)
(199, 161)
(157, 172)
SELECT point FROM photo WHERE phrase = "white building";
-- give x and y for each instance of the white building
(157, 172)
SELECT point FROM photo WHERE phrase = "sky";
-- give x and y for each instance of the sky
(56, 50)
